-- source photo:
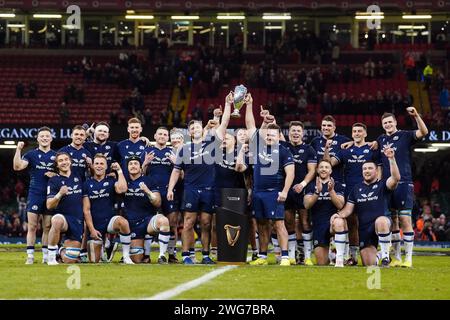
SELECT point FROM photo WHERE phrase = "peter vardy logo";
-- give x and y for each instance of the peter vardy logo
(98, 192)
(366, 195)
(137, 190)
(46, 164)
(131, 153)
(358, 157)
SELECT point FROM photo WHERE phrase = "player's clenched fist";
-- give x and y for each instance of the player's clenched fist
(63, 190)
(20, 145)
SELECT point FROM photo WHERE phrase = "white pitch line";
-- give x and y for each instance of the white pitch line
(165, 295)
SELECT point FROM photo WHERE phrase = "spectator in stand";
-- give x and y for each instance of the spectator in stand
(67, 69)
(388, 70)
(114, 118)
(197, 113)
(442, 229)
(22, 207)
(379, 70)
(20, 90)
(428, 75)
(410, 66)
(64, 113)
(369, 69)
(427, 233)
(75, 67)
(148, 116)
(80, 94)
(3, 223)
(443, 99)
(32, 90)
(163, 119)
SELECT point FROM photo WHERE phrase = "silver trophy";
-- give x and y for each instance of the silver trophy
(239, 95)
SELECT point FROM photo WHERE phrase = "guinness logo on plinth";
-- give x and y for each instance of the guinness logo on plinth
(233, 233)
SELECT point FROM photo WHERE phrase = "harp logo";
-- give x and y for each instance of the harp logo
(233, 233)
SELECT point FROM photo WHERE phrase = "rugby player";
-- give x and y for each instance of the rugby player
(101, 144)
(323, 197)
(305, 160)
(65, 197)
(369, 199)
(80, 156)
(40, 162)
(141, 202)
(133, 146)
(158, 165)
(403, 196)
(98, 208)
(273, 174)
(197, 160)
(352, 159)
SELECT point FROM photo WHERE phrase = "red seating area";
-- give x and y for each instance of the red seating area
(46, 72)
(261, 97)
(434, 97)
(370, 86)
(404, 46)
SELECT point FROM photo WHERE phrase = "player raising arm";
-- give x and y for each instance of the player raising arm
(369, 200)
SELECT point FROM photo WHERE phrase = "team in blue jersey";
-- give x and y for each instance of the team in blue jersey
(39, 162)
(401, 202)
(352, 160)
(307, 194)
(305, 160)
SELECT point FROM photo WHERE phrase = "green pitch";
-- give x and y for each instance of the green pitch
(429, 279)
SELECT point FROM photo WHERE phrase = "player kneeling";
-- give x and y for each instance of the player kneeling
(64, 196)
(98, 207)
(141, 201)
(369, 199)
(323, 198)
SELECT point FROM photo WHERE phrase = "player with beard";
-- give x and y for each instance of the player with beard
(369, 199)
(305, 160)
(101, 144)
(273, 174)
(81, 157)
(353, 159)
(158, 165)
(98, 208)
(197, 160)
(323, 197)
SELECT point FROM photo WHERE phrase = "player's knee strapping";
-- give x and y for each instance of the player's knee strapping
(405, 213)
(92, 244)
(134, 251)
(72, 253)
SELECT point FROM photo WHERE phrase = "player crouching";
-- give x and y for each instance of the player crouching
(369, 199)
(64, 196)
(141, 201)
(98, 208)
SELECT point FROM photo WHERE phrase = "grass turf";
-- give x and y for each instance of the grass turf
(429, 279)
